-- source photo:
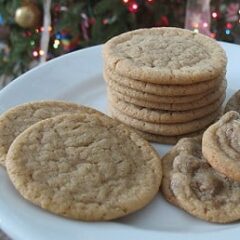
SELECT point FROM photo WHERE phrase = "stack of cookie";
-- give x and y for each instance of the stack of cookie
(167, 83)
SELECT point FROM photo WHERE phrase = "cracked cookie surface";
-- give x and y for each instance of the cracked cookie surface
(221, 145)
(84, 166)
(195, 186)
(17, 119)
(165, 56)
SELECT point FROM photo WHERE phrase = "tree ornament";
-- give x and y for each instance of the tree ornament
(28, 16)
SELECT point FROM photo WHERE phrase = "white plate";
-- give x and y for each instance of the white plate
(77, 77)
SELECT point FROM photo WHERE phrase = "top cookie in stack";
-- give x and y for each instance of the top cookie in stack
(165, 82)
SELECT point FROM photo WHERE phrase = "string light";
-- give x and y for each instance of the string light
(41, 52)
(56, 43)
(49, 29)
(214, 14)
(213, 35)
(32, 43)
(228, 31)
(58, 35)
(125, 1)
(35, 53)
(195, 25)
(133, 8)
(205, 24)
(229, 25)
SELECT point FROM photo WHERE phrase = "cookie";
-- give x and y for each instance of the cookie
(114, 79)
(162, 99)
(233, 103)
(166, 139)
(191, 104)
(165, 56)
(221, 145)
(164, 128)
(167, 167)
(19, 118)
(162, 116)
(84, 166)
(197, 187)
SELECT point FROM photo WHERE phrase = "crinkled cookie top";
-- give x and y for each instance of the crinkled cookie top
(85, 166)
(165, 55)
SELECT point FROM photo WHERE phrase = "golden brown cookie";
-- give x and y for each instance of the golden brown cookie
(204, 101)
(17, 119)
(165, 129)
(165, 56)
(178, 105)
(185, 91)
(221, 145)
(162, 116)
(165, 139)
(84, 166)
(197, 187)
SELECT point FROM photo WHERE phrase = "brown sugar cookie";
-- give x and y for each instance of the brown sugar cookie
(113, 78)
(233, 103)
(197, 187)
(164, 128)
(84, 166)
(17, 119)
(140, 95)
(166, 139)
(221, 145)
(186, 57)
(204, 100)
(162, 116)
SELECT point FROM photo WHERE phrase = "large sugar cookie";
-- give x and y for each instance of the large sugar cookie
(84, 166)
(18, 118)
(165, 56)
(221, 145)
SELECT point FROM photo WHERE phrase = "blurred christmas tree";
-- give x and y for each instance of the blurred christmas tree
(34, 30)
